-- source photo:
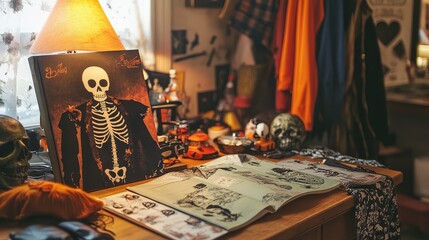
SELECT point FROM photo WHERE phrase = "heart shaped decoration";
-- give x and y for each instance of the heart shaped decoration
(387, 32)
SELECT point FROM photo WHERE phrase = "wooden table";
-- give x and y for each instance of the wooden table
(321, 216)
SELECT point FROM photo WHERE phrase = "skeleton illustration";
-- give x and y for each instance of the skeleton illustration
(107, 137)
(107, 121)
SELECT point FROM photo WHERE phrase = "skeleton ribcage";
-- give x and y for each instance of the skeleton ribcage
(108, 122)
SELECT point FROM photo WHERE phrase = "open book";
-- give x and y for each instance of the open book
(234, 190)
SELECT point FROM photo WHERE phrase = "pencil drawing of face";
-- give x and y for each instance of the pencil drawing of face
(118, 205)
(131, 196)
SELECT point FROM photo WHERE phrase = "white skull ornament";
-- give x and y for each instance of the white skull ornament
(288, 131)
(14, 154)
(96, 81)
(256, 129)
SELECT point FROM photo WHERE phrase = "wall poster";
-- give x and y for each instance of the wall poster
(394, 25)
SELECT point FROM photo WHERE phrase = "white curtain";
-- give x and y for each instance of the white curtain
(20, 20)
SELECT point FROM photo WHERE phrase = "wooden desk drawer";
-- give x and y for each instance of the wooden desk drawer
(342, 227)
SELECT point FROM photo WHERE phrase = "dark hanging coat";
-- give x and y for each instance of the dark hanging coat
(364, 111)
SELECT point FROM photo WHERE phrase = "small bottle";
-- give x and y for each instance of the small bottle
(229, 115)
(229, 93)
(171, 89)
(156, 94)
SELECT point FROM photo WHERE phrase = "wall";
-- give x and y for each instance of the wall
(410, 126)
(205, 22)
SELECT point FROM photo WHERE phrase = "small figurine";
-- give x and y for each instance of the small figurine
(199, 146)
(259, 132)
(182, 132)
(171, 90)
(170, 148)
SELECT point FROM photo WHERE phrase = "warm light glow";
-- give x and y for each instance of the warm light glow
(76, 25)
(423, 51)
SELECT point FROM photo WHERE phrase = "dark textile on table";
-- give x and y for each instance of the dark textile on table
(376, 211)
(322, 152)
(255, 19)
(376, 207)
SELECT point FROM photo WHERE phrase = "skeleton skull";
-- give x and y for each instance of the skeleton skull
(288, 131)
(14, 154)
(96, 81)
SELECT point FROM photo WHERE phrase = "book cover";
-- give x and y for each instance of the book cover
(97, 118)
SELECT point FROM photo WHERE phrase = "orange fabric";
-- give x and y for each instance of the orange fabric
(298, 67)
(43, 198)
(287, 58)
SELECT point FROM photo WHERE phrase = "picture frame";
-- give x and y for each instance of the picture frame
(397, 27)
(179, 42)
(97, 118)
(204, 3)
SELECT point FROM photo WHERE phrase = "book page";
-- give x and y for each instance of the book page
(347, 177)
(262, 174)
(271, 189)
(199, 198)
(160, 218)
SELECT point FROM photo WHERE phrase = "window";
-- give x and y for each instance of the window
(20, 20)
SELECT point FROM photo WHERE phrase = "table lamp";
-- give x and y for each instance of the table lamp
(76, 25)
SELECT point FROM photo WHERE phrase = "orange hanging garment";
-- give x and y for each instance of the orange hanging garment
(287, 58)
(298, 67)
